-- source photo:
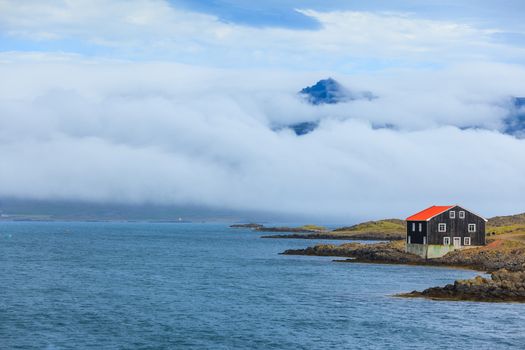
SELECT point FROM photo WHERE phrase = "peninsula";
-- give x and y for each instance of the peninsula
(380, 230)
(503, 257)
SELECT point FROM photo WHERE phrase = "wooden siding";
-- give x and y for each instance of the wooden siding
(455, 228)
(416, 236)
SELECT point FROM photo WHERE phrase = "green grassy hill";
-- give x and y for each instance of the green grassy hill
(509, 226)
(497, 221)
(379, 226)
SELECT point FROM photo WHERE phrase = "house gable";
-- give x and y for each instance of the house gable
(435, 210)
(456, 227)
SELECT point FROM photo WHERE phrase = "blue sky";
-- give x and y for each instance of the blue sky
(505, 13)
(34, 26)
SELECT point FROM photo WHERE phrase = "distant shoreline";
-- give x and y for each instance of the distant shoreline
(382, 230)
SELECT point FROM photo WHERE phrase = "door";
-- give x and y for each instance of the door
(457, 242)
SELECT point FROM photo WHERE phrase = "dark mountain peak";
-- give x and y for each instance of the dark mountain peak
(330, 91)
(514, 123)
(300, 128)
(304, 127)
(326, 91)
(518, 102)
(329, 84)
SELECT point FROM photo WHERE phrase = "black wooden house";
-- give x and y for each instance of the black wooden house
(437, 230)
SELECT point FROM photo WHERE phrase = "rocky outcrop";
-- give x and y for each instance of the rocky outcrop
(371, 236)
(251, 225)
(489, 258)
(310, 236)
(386, 253)
(503, 286)
(306, 229)
(286, 229)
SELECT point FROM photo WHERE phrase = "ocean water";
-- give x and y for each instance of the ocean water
(205, 286)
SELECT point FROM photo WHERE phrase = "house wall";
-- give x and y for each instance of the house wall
(456, 227)
(416, 236)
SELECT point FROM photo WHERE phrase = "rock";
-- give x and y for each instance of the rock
(503, 286)
(250, 225)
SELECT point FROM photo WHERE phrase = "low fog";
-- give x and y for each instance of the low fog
(165, 133)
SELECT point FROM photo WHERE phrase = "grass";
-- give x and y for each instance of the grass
(508, 220)
(379, 226)
(511, 227)
(313, 228)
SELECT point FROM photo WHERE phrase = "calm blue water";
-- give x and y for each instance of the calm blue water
(204, 286)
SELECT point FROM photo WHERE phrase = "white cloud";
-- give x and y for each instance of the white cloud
(109, 129)
(170, 133)
(149, 29)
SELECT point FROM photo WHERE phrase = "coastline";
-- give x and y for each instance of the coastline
(505, 260)
(338, 236)
(503, 257)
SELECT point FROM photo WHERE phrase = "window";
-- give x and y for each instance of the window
(413, 227)
(462, 214)
(425, 240)
(409, 240)
(471, 227)
(446, 240)
(466, 240)
(442, 227)
(452, 214)
(420, 227)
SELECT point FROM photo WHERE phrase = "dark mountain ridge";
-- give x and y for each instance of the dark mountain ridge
(324, 92)
(330, 91)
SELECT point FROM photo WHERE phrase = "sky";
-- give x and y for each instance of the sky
(180, 102)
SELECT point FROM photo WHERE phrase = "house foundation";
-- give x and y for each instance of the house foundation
(429, 251)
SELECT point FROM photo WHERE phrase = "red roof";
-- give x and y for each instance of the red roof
(429, 212)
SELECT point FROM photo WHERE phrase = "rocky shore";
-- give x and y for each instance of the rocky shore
(503, 286)
(505, 259)
(496, 255)
(368, 236)
(504, 256)
(386, 253)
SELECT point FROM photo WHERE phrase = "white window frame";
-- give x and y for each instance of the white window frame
(471, 227)
(442, 227)
(466, 240)
(452, 214)
(461, 214)
(446, 240)
(413, 227)
(420, 227)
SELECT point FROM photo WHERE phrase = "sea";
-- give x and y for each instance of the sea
(139, 285)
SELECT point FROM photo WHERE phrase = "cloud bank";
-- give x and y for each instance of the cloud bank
(174, 134)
